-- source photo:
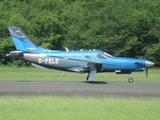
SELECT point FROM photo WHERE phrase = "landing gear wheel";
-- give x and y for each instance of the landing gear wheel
(130, 80)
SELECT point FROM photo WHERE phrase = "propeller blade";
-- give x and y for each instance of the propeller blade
(146, 66)
(148, 63)
(146, 72)
(147, 54)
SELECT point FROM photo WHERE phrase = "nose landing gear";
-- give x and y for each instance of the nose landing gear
(130, 79)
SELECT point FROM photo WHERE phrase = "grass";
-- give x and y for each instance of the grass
(36, 74)
(78, 109)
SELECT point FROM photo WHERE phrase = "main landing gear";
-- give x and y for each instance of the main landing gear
(91, 76)
(87, 77)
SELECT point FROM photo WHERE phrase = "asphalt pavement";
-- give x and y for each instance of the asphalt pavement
(135, 90)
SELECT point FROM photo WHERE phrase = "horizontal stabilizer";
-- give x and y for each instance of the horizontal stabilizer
(39, 66)
(15, 54)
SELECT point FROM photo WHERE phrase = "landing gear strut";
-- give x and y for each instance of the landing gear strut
(91, 75)
(87, 76)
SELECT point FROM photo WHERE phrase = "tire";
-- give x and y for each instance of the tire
(130, 80)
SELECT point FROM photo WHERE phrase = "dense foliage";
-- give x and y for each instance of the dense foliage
(119, 27)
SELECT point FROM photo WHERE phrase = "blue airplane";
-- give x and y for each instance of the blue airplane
(79, 61)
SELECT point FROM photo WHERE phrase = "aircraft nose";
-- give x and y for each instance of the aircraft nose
(149, 63)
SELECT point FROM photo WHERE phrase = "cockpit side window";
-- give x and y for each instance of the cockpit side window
(100, 56)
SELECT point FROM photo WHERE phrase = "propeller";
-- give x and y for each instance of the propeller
(146, 66)
(148, 63)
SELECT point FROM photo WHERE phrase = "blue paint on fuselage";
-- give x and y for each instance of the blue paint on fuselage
(110, 64)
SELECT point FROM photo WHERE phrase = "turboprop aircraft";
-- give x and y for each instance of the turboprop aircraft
(80, 61)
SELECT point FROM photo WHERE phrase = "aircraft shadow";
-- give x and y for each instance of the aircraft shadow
(95, 82)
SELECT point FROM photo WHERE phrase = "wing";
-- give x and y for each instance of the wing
(90, 61)
(92, 65)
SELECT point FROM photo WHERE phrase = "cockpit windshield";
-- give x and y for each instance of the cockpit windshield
(107, 55)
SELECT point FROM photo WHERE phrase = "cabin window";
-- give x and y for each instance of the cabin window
(65, 56)
(100, 56)
(74, 56)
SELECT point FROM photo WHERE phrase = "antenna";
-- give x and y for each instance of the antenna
(66, 49)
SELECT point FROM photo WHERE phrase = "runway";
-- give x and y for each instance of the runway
(80, 89)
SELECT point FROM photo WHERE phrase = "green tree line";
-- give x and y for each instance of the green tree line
(120, 27)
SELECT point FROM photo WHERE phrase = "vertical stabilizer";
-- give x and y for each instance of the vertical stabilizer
(21, 40)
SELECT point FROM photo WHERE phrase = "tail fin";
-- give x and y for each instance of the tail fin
(22, 41)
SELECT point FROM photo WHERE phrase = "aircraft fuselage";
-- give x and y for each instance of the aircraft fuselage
(76, 60)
